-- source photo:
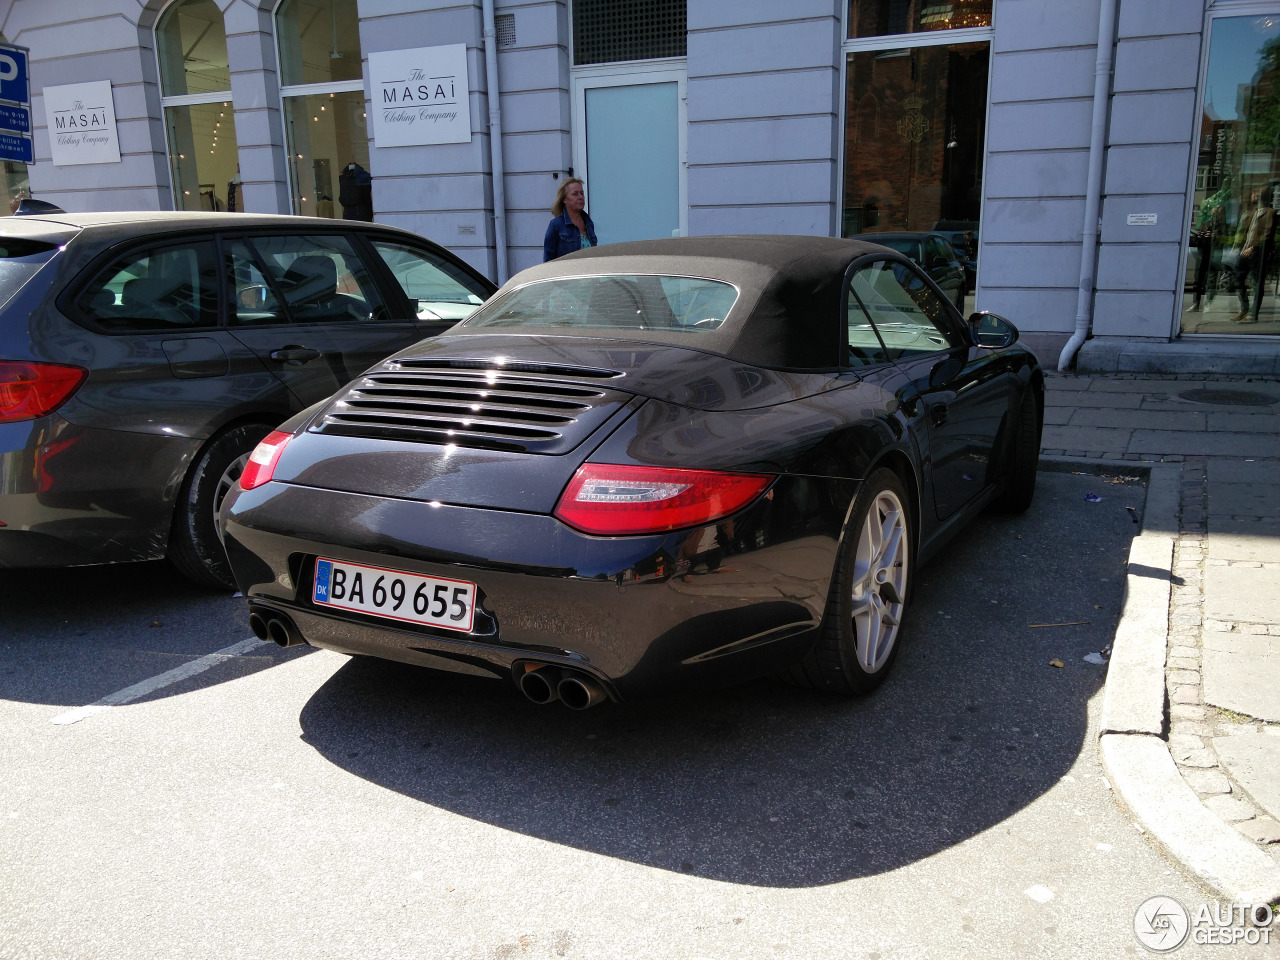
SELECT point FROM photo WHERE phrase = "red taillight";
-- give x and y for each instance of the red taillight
(612, 500)
(30, 390)
(263, 460)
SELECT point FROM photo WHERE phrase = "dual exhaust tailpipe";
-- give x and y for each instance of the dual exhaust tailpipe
(270, 625)
(546, 684)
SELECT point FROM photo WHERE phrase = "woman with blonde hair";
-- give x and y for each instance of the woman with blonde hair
(571, 228)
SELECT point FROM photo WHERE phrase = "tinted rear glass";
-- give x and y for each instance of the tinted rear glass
(19, 260)
(682, 305)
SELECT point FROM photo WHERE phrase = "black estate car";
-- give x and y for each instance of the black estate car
(144, 355)
(647, 465)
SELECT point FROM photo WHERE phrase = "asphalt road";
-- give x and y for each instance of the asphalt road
(302, 804)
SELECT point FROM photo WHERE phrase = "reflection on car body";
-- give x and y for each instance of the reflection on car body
(642, 500)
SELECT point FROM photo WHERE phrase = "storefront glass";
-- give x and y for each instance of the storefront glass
(319, 41)
(1231, 265)
(326, 126)
(329, 155)
(202, 156)
(913, 150)
(879, 18)
(192, 46)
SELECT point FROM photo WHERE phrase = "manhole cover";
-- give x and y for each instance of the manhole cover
(1229, 397)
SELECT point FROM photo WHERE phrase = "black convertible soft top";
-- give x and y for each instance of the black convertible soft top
(787, 314)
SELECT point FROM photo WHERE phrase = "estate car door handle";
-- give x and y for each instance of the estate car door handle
(294, 355)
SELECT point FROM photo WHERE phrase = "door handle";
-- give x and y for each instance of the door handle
(294, 355)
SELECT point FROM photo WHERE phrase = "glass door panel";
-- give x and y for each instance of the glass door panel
(1231, 269)
(633, 160)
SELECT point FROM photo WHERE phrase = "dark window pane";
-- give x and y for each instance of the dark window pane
(171, 288)
(914, 122)
(879, 18)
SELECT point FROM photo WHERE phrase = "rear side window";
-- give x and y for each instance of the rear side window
(157, 289)
(435, 287)
(19, 261)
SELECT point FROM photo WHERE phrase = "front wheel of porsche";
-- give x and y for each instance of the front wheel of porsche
(862, 629)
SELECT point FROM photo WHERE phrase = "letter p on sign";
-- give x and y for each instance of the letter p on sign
(8, 67)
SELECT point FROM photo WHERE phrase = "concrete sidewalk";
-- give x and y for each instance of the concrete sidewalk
(1190, 733)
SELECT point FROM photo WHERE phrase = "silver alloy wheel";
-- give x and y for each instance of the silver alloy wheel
(226, 482)
(879, 580)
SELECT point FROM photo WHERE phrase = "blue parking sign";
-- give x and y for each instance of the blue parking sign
(13, 74)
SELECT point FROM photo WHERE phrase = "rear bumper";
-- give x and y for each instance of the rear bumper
(71, 496)
(715, 604)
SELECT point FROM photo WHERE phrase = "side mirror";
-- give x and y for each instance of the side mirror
(992, 331)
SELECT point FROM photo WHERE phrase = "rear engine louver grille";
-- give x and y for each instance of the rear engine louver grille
(526, 407)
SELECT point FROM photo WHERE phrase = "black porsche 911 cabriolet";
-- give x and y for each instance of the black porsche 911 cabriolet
(647, 466)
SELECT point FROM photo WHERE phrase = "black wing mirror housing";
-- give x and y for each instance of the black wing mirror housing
(991, 330)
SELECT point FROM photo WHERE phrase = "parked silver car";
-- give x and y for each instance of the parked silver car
(144, 355)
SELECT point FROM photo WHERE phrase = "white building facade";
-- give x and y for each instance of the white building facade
(1115, 162)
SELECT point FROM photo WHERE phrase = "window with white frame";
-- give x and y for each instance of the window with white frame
(322, 89)
(195, 93)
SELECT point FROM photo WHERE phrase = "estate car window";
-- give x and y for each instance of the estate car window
(909, 317)
(155, 290)
(439, 289)
(300, 279)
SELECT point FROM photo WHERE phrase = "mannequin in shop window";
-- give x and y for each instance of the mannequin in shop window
(233, 192)
(355, 192)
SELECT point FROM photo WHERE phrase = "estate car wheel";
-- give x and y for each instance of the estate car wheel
(1023, 459)
(862, 627)
(194, 547)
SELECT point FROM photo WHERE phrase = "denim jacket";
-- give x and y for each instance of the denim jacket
(563, 237)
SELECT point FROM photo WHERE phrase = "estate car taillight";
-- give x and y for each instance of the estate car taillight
(612, 499)
(263, 460)
(29, 390)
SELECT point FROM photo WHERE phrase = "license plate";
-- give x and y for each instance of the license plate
(433, 601)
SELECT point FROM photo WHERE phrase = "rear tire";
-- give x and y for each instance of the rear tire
(194, 547)
(862, 627)
(1024, 457)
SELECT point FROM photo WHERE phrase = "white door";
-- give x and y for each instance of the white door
(629, 148)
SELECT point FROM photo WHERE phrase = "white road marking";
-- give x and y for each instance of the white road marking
(144, 687)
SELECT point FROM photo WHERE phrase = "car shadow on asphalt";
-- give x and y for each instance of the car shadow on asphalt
(70, 637)
(770, 784)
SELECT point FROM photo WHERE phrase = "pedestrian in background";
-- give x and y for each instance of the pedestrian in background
(571, 228)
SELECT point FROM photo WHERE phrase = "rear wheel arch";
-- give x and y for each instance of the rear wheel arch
(194, 548)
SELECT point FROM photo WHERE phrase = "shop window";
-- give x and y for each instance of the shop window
(613, 31)
(1232, 271)
(195, 93)
(879, 18)
(326, 126)
(914, 144)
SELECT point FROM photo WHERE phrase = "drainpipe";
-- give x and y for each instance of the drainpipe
(1093, 193)
(495, 140)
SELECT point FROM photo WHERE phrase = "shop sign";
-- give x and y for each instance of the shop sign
(420, 96)
(82, 123)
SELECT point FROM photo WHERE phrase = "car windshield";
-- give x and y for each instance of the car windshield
(616, 302)
(19, 260)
